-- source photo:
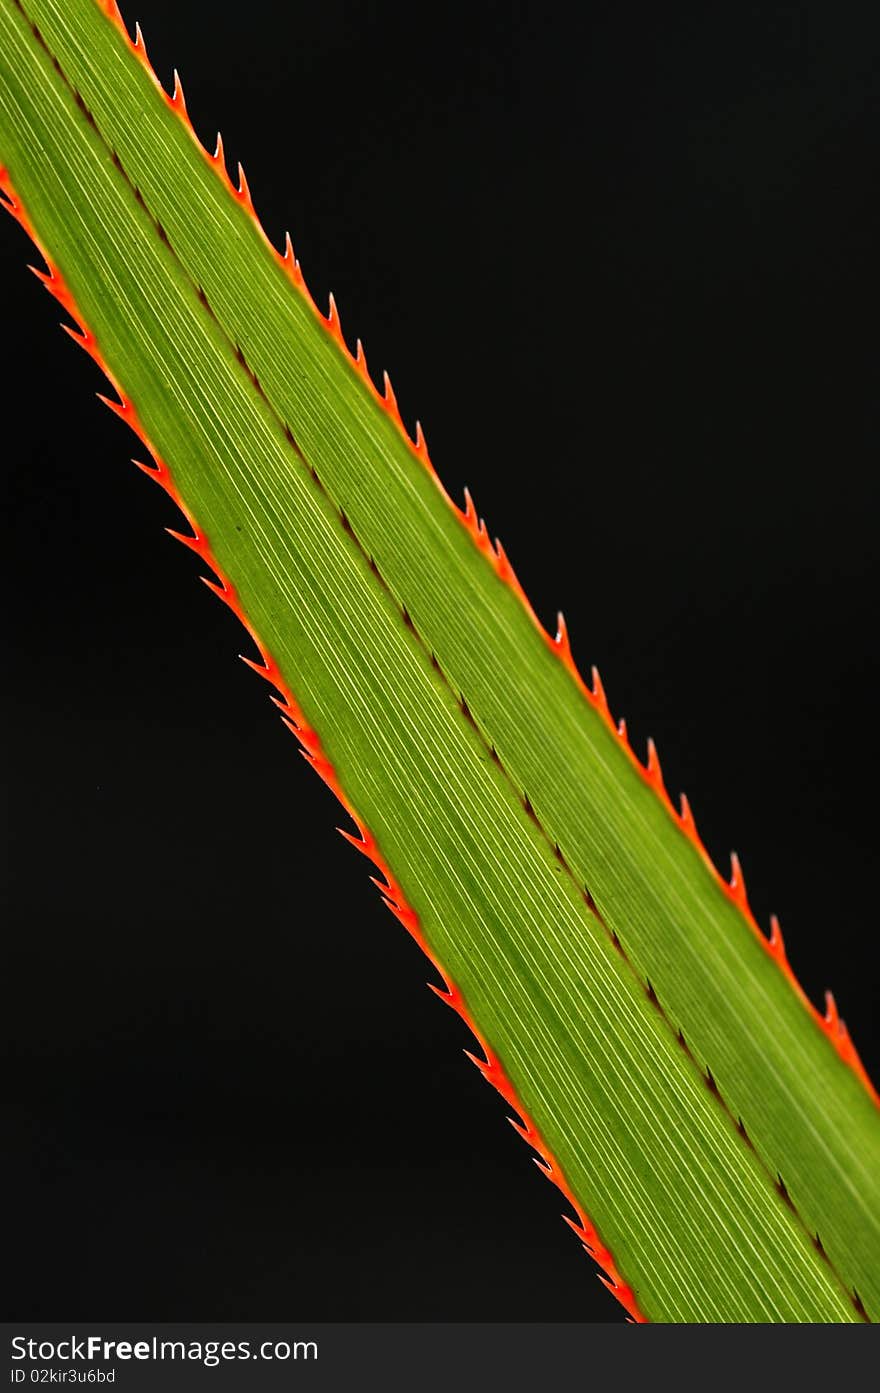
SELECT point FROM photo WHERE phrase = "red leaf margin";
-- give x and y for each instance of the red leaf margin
(830, 1023)
(312, 750)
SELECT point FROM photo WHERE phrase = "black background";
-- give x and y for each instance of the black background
(621, 262)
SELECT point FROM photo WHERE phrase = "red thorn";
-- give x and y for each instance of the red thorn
(267, 671)
(736, 886)
(561, 644)
(140, 48)
(361, 842)
(600, 700)
(420, 446)
(293, 268)
(53, 281)
(625, 1295)
(389, 398)
(562, 641)
(448, 994)
(832, 1017)
(219, 156)
(482, 1064)
(477, 529)
(776, 944)
(44, 277)
(524, 1132)
(587, 1236)
(84, 339)
(220, 588)
(243, 193)
(78, 335)
(196, 543)
(177, 99)
(653, 770)
(122, 409)
(334, 324)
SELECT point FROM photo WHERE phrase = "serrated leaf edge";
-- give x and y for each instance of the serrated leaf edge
(830, 1022)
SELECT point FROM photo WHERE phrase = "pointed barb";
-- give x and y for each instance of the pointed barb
(776, 944)
(389, 399)
(220, 588)
(654, 771)
(525, 1132)
(561, 640)
(832, 1016)
(266, 670)
(45, 278)
(449, 994)
(140, 48)
(243, 193)
(599, 696)
(334, 324)
(360, 362)
(290, 263)
(582, 1233)
(352, 839)
(444, 993)
(737, 885)
(122, 408)
(506, 573)
(81, 337)
(484, 1065)
(195, 543)
(177, 99)
(154, 471)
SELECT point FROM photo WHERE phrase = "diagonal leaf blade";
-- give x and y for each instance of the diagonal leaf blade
(535, 964)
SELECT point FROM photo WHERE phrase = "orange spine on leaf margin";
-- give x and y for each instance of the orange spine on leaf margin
(830, 1023)
(311, 749)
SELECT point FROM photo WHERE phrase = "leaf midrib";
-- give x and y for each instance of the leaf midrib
(237, 357)
(725, 967)
(462, 716)
(722, 965)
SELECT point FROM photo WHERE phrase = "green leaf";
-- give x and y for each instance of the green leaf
(541, 867)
